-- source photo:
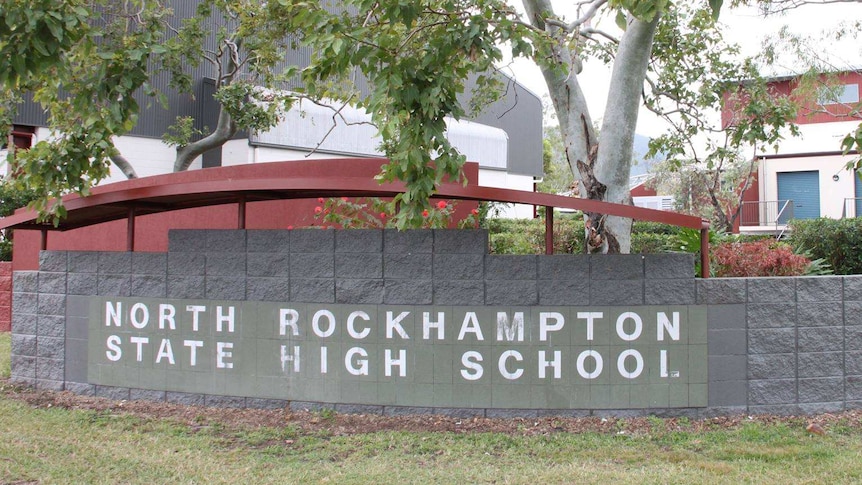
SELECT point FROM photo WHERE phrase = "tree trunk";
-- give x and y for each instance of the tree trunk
(618, 129)
(561, 76)
(225, 130)
(601, 165)
(123, 164)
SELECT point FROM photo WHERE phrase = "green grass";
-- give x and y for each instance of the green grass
(5, 352)
(51, 445)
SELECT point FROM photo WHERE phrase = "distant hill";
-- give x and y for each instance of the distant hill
(641, 165)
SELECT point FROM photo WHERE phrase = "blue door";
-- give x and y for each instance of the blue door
(803, 188)
(858, 193)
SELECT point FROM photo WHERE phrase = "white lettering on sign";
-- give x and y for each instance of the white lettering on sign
(288, 317)
(470, 325)
(193, 346)
(395, 324)
(351, 325)
(358, 366)
(112, 313)
(472, 370)
(167, 314)
(581, 364)
(315, 323)
(196, 310)
(501, 364)
(621, 326)
(140, 316)
(114, 352)
(428, 324)
(591, 318)
(556, 364)
(621, 363)
(663, 363)
(222, 353)
(545, 327)
(665, 325)
(140, 341)
(510, 331)
(539, 339)
(401, 362)
(165, 352)
(222, 318)
(288, 358)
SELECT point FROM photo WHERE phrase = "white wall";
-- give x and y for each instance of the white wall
(504, 180)
(258, 154)
(816, 137)
(149, 156)
(832, 193)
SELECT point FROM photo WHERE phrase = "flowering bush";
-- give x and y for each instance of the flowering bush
(759, 258)
(370, 213)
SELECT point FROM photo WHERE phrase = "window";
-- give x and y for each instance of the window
(843, 94)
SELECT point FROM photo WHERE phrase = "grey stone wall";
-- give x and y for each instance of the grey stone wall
(776, 345)
(784, 345)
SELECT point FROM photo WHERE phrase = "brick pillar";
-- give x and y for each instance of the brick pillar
(5, 296)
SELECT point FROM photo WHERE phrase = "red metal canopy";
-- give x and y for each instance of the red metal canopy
(290, 180)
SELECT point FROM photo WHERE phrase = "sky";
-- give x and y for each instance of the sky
(744, 26)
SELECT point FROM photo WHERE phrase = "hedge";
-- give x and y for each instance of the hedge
(527, 236)
(837, 241)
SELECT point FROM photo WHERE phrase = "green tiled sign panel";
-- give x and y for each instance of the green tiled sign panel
(593, 357)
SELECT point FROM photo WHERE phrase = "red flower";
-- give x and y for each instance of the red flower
(289, 228)
(383, 215)
(441, 205)
(425, 213)
(475, 212)
(320, 200)
(318, 210)
(344, 199)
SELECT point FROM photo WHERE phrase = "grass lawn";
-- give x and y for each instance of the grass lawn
(53, 445)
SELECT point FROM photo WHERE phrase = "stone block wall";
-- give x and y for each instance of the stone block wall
(784, 345)
(775, 345)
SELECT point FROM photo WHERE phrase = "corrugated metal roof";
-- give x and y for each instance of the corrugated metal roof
(310, 126)
(518, 112)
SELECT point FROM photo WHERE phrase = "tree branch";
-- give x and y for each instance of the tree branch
(592, 8)
(124, 165)
(225, 129)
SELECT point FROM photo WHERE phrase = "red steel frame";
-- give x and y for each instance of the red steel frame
(132, 198)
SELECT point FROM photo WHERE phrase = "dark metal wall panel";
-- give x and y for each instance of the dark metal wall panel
(30, 113)
(518, 112)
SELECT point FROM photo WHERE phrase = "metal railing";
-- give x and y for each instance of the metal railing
(767, 213)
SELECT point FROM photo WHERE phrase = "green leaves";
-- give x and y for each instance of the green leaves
(417, 55)
(853, 142)
(644, 10)
(84, 67)
(35, 34)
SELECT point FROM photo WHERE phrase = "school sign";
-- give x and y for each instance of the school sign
(489, 356)
(425, 321)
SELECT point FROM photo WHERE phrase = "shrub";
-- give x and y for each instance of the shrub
(647, 227)
(758, 258)
(651, 243)
(527, 236)
(837, 241)
(11, 198)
